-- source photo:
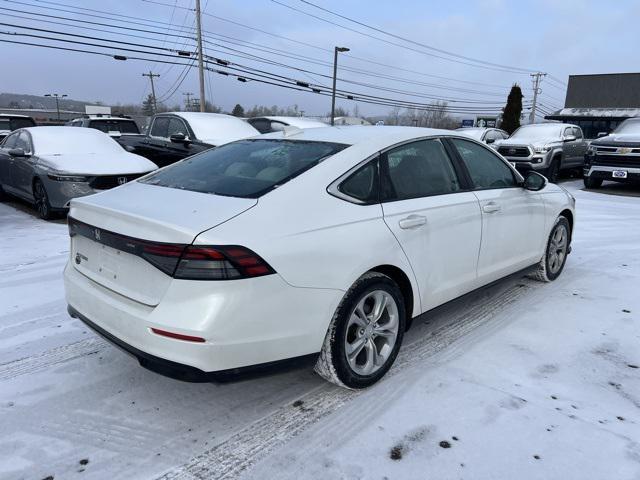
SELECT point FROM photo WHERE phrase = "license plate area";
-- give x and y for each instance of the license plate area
(122, 272)
(619, 174)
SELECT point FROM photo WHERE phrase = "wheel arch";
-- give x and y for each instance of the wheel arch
(569, 216)
(403, 281)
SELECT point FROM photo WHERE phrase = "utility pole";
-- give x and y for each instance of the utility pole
(187, 102)
(153, 89)
(537, 79)
(200, 60)
(336, 50)
(57, 97)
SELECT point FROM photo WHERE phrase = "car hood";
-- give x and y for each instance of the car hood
(156, 213)
(517, 142)
(618, 139)
(97, 163)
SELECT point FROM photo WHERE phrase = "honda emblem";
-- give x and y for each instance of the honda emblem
(122, 180)
(96, 234)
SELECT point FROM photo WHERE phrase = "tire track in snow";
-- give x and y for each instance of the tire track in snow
(245, 448)
(51, 357)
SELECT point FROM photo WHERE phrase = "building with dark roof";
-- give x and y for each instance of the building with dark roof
(598, 103)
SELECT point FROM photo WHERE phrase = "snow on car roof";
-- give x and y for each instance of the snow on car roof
(300, 122)
(57, 140)
(217, 128)
(375, 136)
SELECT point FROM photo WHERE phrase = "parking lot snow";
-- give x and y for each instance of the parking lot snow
(519, 380)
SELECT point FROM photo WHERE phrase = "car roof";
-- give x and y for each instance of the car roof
(373, 135)
(301, 122)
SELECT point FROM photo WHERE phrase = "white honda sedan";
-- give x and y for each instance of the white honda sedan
(322, 242)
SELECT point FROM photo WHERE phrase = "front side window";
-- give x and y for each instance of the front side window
(160, 127)
(577, 132)
(246, 168)
(23, 142)
(177, 126)
(486, 169)
(418, 169)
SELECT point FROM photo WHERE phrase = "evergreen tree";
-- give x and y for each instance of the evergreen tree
(512, 110)
(238, 111)
(147, 105)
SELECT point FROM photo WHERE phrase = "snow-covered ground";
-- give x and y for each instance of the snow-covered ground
(521, 380)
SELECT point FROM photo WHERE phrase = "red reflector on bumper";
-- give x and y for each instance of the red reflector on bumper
(177, 336)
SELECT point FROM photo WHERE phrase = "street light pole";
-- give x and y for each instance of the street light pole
(57, 97)
(336, 50)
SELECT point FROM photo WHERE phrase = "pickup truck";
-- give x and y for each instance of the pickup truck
(614, 157)
(10, 122)
(177, 135)
(545, 147)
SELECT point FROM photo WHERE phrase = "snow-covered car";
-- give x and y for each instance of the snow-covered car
(173, 136)
(10, 122)
(614, 157)
(113, 125)
(278, 124)
(48, 166)
(324, 241)
(485, 135)
(545, 147)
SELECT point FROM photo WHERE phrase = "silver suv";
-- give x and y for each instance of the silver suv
(545, 147)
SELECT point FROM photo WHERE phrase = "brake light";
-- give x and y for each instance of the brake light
(220, 263)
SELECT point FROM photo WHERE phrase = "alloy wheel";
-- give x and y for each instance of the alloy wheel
(371, 332)
(41, 199)
(557, 248)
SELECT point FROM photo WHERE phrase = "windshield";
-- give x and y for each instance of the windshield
(122, 126)
(631, 125)
(15, 123)
(246, 168)
(538, 132)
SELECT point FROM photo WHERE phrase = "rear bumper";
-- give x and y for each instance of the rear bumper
(244, 322)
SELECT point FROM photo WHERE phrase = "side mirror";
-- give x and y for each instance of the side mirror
(490, 141)
(17, 152)
(602, 134)
(534, 181)
(570, 138)
(178, 138)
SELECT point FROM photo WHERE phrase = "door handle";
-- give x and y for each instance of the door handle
(491, 207)
(412, 221)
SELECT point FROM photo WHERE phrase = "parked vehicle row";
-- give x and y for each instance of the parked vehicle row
(114, 125)
(485, 135)
(324, 242)
(614, 157)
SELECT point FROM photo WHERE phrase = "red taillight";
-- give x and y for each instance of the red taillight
(178, 336)
(220, 263)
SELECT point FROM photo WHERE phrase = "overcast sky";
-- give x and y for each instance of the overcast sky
(559, 37)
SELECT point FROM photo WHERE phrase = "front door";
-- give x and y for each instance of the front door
(436, 223)
(513, 218)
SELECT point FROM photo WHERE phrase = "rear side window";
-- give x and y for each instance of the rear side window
(246, 168)
(363, 184)
(160, 127)
(417, 169)
(487, 170)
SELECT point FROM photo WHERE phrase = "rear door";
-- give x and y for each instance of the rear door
(512, 217)
(435, 221)
(7, 161)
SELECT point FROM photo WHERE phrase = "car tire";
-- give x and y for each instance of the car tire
(356, 326)
(553, 171)
(555, 255)
(590, 182)
(41, 200)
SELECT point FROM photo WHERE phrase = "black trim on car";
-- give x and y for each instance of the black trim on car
(187, 373)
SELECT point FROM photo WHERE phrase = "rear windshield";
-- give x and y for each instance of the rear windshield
(16, 123)
(122, 126)
(246, 168)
